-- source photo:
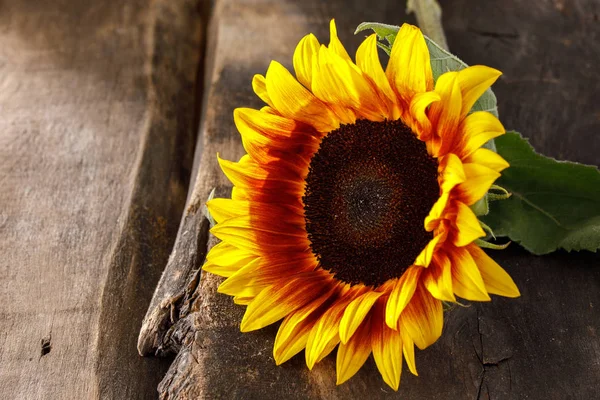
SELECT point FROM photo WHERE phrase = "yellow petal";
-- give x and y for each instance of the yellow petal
(303, 56)
(238, 281)
(242, 301)
(487, 158)
(437, 212)
(324, 335)
(409, 68)
(272, 127)
(222, 209)
(386, 345)
(408, 349)
(446, 113)
(265, 135)
(294, 101)
(258, 237)
(339, 82)
(468, 227)
(476, 130)
(367, 59)
(225, 259)
(297, 338)
(424, 258)
(355, 313)
(423, 318)
(334, 42)
(293, 332)
(466, 278)
(400, 296)
(225, 209)
(251, 174)
(451, 172)
(352, 355)
(277, 301)
(496, 280)
(438, 278)
(474, 81)
(418, 107)
(479, 180)
(259, 85)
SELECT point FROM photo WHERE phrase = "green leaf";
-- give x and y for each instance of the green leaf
(482, 207)
(383, 31)
(209, 217)
(554, 204)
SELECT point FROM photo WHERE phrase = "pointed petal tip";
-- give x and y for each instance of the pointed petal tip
(278, 359)
(342, 378)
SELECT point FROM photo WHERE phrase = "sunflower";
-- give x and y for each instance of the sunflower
(350, 214)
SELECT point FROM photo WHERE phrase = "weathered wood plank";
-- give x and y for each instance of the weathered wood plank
(543, 345)
(97, 114)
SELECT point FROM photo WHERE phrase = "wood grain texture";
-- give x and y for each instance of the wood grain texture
(97, 114)
(544, 345)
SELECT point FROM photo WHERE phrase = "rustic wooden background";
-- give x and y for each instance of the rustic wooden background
(103, 174)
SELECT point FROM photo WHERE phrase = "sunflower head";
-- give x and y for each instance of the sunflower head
(350, 214)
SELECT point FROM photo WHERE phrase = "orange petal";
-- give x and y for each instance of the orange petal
(479, 180)
(251, 174)
(367, 59)
(418, 107)
(237, 282)
(446, 113)
(437, 212)
(386, 345)
(474, 81)
(467, 225)
(293, 332)
(476, 130)
(487, 158)
(438, 278)
(466, 278)
(408, 349)
(278, 301)
(451, 172)
(496, 280)
(355, 313)
(423, 318)
(409, 68)
(352, 355)
(339, 82)
(400, 296)
(324, 335)
(424, 258)
(294, 101)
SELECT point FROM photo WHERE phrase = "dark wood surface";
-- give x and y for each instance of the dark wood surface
(98, 106)
(97, 133)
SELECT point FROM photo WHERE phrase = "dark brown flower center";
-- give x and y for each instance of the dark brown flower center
(369, 188)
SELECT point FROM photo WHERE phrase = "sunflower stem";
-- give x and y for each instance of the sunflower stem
(487, 228)
(495, 196)
(487, 245)
(429, 19)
